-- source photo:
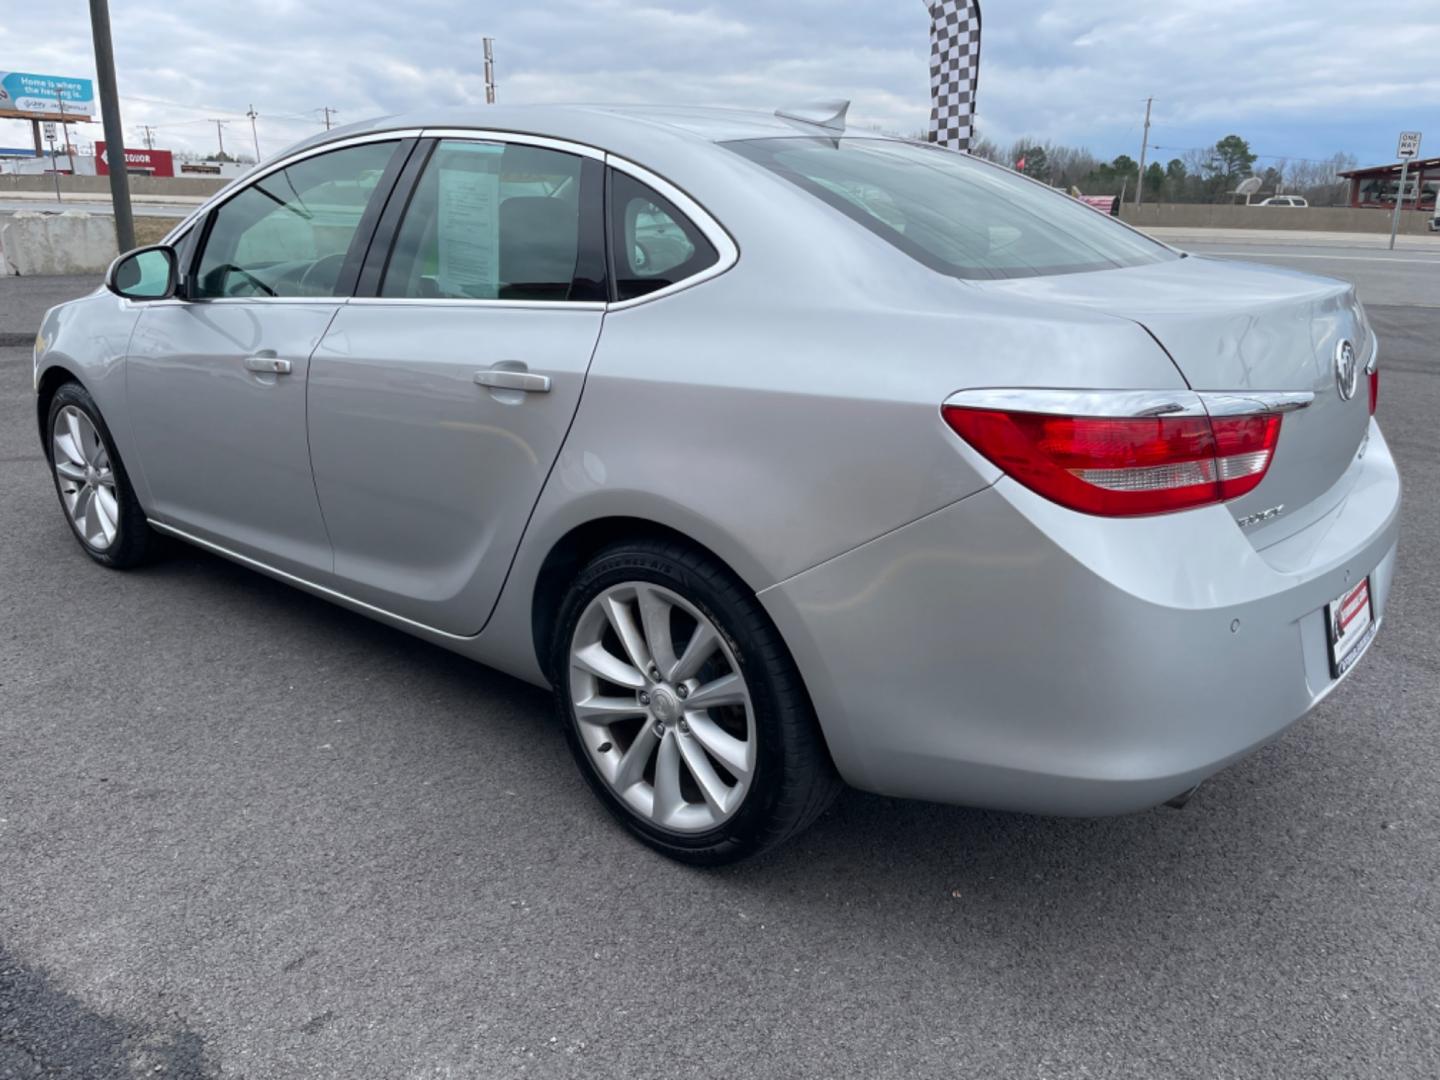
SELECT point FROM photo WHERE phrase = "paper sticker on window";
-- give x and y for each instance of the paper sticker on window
(469, 225)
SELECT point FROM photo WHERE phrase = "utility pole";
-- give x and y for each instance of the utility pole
(149, 136)
(327, 110)
(1144, 146)
(110, 114)
(253, 134)
(65, 130)
(220, 132)
(489, 71)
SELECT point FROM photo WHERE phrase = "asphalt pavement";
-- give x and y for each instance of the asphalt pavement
(244, 833)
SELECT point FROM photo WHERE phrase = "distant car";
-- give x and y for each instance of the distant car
(783, 454)
(1284, 200)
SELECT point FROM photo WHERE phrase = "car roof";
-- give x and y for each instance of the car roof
(621, 129)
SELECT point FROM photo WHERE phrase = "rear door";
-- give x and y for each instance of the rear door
(216, 379)
(440, 395)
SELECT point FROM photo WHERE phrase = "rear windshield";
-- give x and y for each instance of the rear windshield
(952, 212)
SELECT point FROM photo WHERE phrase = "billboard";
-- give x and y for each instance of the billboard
(38, 97)
(148, 162)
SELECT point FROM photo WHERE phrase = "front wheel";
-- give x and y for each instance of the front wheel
(683, 707)
(91, 481)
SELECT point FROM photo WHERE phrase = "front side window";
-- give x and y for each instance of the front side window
(288, 233)
(953, 213)
(653, 245)
(490, 221)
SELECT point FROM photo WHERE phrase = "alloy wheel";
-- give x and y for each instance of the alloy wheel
(662, 707)
(86, 478)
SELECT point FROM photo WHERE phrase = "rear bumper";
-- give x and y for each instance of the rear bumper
(1005, 652)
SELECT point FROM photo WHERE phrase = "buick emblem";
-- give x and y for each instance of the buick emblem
(1347, 370)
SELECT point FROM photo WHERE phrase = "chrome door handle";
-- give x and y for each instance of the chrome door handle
(270, 365)
(503, 379)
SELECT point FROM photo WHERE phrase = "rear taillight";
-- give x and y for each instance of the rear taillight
(1373, 374)
(1124, 466)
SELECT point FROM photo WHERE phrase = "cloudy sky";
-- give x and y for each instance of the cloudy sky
(1298, 78)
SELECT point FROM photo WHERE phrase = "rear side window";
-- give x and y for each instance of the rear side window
(652, 244)
(490, 221)
(956, 214)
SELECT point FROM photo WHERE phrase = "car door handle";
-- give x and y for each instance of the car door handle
(503, 379)
(270, 365)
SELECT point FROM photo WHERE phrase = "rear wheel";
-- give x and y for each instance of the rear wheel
(683, 708)
(91, 481)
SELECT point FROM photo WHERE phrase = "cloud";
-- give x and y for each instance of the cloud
(1297, 77)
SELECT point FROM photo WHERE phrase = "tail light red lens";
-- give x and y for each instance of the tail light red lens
(1124, 466)
(1374, 389)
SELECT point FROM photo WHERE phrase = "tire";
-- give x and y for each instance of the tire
(770, 724)
(92, 470)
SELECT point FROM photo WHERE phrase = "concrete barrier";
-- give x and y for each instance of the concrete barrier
(70, 243)
(201, 186)
(1309, 219)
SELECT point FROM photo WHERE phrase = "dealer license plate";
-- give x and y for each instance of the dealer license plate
(1351, 620)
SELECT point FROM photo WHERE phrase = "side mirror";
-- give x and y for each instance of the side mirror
(147, 273)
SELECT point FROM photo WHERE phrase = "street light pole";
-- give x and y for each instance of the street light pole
(110, 114)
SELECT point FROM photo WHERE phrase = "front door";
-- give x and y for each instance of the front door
(438, 406)
(216, 381)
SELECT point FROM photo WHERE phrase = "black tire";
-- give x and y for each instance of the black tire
(133, 540)
(794, 780)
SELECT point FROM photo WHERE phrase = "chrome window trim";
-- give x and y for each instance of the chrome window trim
(1130, 403)
(240, 183)
(726, 250)
(175, 301)
(455, 301)
(493, 135)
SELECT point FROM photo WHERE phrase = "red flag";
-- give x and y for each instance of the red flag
(1020, 165)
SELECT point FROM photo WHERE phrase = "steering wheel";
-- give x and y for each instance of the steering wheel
(231, 268)
(320, 276)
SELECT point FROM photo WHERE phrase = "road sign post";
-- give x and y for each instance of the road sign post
(1408, 149)
(54, 160)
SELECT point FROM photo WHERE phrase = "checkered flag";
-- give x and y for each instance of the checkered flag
(954, 70)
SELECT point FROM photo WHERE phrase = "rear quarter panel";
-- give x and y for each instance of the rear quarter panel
(789, 410)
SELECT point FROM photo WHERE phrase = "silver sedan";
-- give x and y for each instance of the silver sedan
(785, 454)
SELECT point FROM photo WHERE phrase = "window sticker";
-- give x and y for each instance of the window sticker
(469, 225)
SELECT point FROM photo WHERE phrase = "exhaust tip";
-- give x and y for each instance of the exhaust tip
(1179, 801)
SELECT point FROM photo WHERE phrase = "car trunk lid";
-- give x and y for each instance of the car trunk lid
(1239, 328)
